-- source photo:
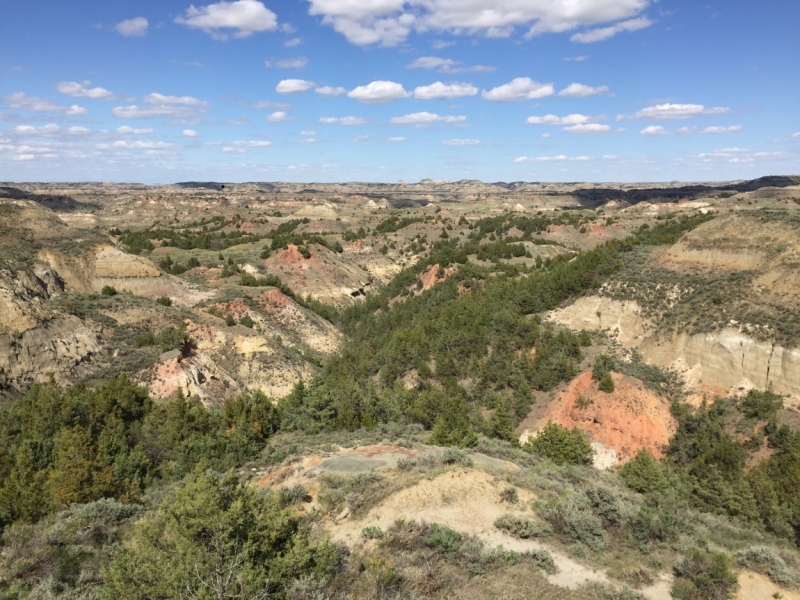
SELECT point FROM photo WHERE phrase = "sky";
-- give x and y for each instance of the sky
(161, 91)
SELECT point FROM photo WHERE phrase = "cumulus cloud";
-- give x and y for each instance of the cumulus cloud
(457, 142)
(342, 121)
(588, 128)
(251, 143)
(289, 63)
(389, 22)
(446, 65)
(232, 150)
(22, 101)
(574, 119)
(521, 88)
(396, 139)
(422, 119)
(604, 33)
(136, 27)
(160, 105)
(140, 145)
(675, 111)
(77, 90)
(575, 58)
(730, 129)
(378, 92)
(245, 17)
(307, 133)
(558, 158)
(327, 90)
(293, 42)
(76, 130)
(278, 117)
(442, 91)
(654, 130)
(191, 133)
(125, 129)
(578, 90)
(293, 86)
(797, 135)
(50, 129)
(359, 138)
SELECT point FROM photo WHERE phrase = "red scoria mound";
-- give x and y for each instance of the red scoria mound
(627, 419)
(237, 308)
(431, 277)
(273, 301)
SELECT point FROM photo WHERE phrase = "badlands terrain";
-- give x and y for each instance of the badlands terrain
(410, 343)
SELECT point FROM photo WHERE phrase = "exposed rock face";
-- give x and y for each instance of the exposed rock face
(56, 347)
(619, 424)
(728, 360)
(594, 313)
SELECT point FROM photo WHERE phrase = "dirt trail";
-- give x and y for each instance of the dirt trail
(469, 502)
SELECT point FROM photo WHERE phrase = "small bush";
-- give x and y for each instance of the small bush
(561, 445)
(574, 520)
(606, 384)
(406, 464)
(293, 495)
(246, 321)
(643, 473)
(164, 301)
(230, 321)
(704, 576)
(765, 560)
(452, 456)
(602, 365)
(371, 533)
(522, 528)
(509, 495)
(443, 539)
(108, 291)
(604, 504)
(145, 339)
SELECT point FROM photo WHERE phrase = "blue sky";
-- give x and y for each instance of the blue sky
(383, 90)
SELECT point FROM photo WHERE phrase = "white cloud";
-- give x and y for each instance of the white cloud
(521, 88)
(293, 42)
(588, 128)
(359, 138)
(161, 106)
(246, 17)
(77, 90)
(378, 92)
(136, 27)
(442, 91)
(578, 90)
(308, 133)
(232, 150)
(730, 129)
(22, 101)
(293, 86)
(396, 139)
(654, 130)
(307, 141)
(190, 133)
(446, 65)
(275, 105)
(130, 130)
(290, 63)
(342, 120)
(252, 143)
(327, 90)
(50, 129)
(575, 58)
(140, 145)
(797, 135)
(461, 142)
(75, 130)
(389, 22)
(422, 119)
(559, 158)
(676, 111)
(161, 100)
(278, 117)
(574, 119)
(24, 157)
(604, 33)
